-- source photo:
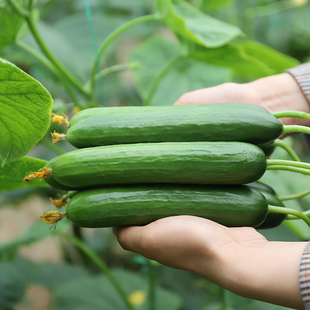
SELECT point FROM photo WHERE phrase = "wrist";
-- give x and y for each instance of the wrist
(266, 271)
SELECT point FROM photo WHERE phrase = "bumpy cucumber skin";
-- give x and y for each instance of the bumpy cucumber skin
(50, 180)
(213, 163)
(91, 112)
(273, 219)
(209, 122)
(232, 206)
(260, 186)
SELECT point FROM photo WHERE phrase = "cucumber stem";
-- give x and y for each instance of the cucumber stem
(298, 214)
(290, 163)
(293, 217)
(296, 114)
(289, 168)
(295, 128)
(287, 148)
(295, 196)
(98, 261)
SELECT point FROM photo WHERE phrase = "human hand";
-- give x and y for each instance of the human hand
(275, 93)
(239, 259)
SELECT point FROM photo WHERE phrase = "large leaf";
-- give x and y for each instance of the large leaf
(213, 5)
(186, 75)
(51, 275)
(272, 58)
(11, 24)
(97, 293)
(25, 110)
(194, 25)
(12, 174)
(248, 59)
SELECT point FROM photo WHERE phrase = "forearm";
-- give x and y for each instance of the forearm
(266, 271)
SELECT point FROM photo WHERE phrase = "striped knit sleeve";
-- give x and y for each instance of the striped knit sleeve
(304, 277)
(301, 74)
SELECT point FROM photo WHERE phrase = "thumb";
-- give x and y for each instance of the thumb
(130, 238)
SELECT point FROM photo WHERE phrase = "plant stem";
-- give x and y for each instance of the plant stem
(287, 148)
(290, 163)
(295, 128)
(49, 65)
(294, 212)
(96, 259)
(289, 168)
(46, 51)
(159, 77)
(293, 217)
(151, 293)
(113, 69)
(52, 146)
(296, 114)
(295, 196)
(111, 37)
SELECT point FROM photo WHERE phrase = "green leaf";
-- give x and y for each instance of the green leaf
(25, 107)
(11, 24)
(51, 275)
(15, 276)
(194, 25)
(213, 5)
(97, 293)
(272, 58)
(248, 60)
(186, 75)
(12, 174)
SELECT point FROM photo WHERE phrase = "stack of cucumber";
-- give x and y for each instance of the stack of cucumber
(135, 165)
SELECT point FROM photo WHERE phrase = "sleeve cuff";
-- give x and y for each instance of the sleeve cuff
(301, 74)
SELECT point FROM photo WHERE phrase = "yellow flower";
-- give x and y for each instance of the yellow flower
(137, 298)
(299, 2)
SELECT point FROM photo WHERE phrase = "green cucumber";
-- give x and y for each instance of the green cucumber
(228, 163)
(50, 180)
(273, 219)
(91, 112)
(268, 148)
(260, 186)
(232, 206)
(206, 122)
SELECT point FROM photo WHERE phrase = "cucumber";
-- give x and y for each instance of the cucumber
(231, 206)
(268, 148)
(273, 219)
(91, 112)
(260, 186)
(50, 180)
(212, 163)
(206, 122)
